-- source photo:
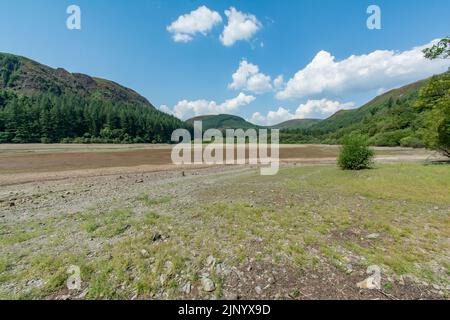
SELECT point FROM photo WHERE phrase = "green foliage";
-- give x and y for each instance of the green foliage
(9, 65)
(439, 50)
(355, 153)
(391, 119)
(49, 118)
(434, 102)
(223, 121)
(412, 142)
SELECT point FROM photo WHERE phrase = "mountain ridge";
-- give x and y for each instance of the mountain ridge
(29, 77)
(43, 104)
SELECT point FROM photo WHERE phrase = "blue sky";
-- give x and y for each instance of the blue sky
(129, 42)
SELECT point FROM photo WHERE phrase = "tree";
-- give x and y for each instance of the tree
(51, 118)
(355, 153)
(434, 101)
(439, 50)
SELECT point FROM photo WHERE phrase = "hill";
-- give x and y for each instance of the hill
(42, 104)
(28, 77)
(391, 119)
(296, 124)
(222, 122)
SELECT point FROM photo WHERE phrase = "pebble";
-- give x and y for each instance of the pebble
(258, 290)
(208, 285)
(187, 288)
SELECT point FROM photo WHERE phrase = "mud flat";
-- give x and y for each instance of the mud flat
(155, 231)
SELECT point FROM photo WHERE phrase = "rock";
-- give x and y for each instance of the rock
(231, 296)
(187, 288)
(139, 181)
(144, 253)
(156, 236)
(373, 236)
(210, 261)
(208, 285)
(369, 283)
(436, 287)
(83, 294)
(12, 204)
(258, 290)
(35, 283)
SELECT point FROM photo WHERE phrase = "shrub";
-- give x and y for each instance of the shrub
(412, 142)
(355, 153)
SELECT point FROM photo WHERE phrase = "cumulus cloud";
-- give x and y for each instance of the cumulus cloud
(248, 77)
(361, 73)
(187, 109)
(241, 26)
(201, 20)
(312, 109)
(278, 82)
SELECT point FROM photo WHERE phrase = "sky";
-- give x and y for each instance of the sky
(267, 60)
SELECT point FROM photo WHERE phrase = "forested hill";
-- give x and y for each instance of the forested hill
(222, 122)
(42, 104)
(391, 119)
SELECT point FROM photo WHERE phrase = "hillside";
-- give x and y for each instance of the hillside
(391, 119)
(222, 122)
(346, 118)
(28, 77)
(42, 104)
(296, 124)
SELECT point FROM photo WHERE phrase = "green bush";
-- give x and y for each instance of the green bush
(355, 153)
(412, 142)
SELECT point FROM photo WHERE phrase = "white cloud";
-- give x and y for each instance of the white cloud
(241, 26)
(201, 20)
(247, 77)
(312, 109)
(378, 69)
(187, 109)
(321, 109)
(278, 82)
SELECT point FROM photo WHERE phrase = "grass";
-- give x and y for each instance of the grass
(107, 224)
(301, 218)
(149, 202)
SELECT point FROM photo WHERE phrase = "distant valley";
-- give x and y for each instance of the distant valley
(42, 104)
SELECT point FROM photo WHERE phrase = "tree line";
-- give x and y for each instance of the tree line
(48, 118)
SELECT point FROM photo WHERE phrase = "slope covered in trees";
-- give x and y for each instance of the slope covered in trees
(41, 104)
(391, 119)
(222, 122)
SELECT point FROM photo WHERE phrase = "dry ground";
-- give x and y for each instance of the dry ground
(309, 232)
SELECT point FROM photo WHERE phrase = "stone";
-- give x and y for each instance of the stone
(208, 285)
(83, 294)
(210, 261)
(373, 236)
(231, 296)
(258, 290)
(144, 253)
(369, 284)
(187, 288)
